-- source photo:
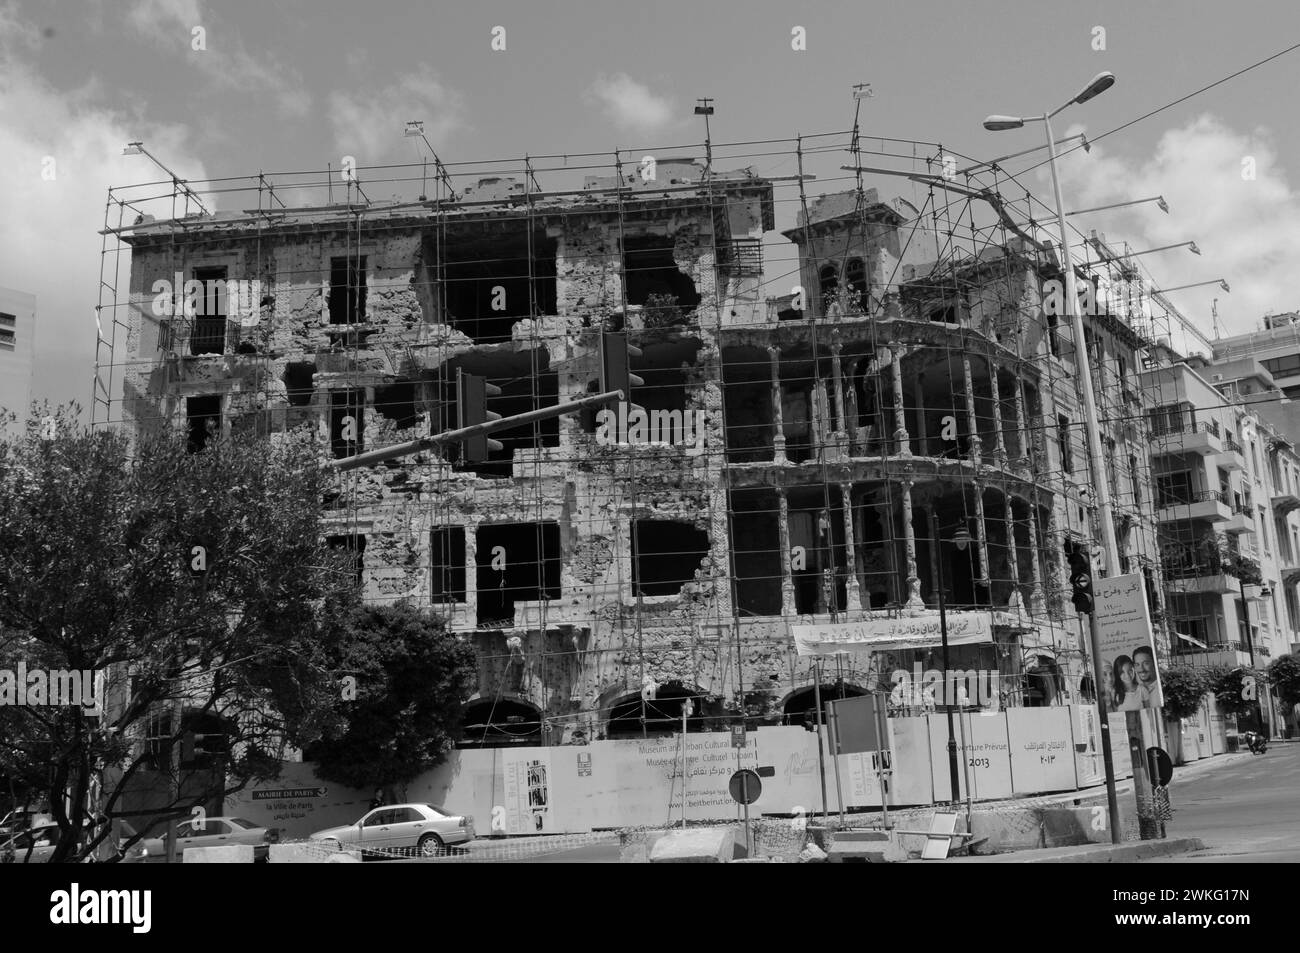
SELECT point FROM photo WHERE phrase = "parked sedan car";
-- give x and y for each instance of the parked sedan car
(395, 828)
(210, 832)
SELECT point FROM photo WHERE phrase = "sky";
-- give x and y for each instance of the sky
(245, 85)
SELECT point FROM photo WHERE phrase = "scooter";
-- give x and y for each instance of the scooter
(1256, 742)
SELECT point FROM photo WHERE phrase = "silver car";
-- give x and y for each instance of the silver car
(396, 829)
(209, 832)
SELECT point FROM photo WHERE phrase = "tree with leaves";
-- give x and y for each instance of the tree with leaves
(189, 581)
(411, 678)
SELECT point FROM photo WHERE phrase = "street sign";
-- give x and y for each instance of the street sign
(737, 736)
(856, 724)
(745, 786)
(1162, 766)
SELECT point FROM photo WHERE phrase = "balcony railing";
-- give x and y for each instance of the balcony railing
(1230, 443)
(1186, 499)
(1162, 428)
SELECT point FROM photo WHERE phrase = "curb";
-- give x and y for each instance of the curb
(1093, 854)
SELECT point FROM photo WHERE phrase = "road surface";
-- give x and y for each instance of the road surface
(1248, 812)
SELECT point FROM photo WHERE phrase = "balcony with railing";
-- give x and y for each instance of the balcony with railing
(1181, 435)
(1231, 654)
(1181, 505)
(1210, 566)
(1242, 519)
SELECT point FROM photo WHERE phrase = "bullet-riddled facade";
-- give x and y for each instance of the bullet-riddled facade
(822, 456)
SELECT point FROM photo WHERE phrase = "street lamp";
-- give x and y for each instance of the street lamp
(1097, 458)
(961, 539)
(1158, 199)
(1213, 281)
(1191, 246)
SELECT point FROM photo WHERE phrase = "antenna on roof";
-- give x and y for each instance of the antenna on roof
(415, 127)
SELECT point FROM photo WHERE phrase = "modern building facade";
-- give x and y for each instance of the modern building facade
(17, 349)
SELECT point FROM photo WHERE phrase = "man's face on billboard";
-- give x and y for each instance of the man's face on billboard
(1146, 667)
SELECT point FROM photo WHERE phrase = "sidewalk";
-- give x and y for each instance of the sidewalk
(1087, 854)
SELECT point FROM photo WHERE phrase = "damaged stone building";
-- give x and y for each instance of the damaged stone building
(868, 418)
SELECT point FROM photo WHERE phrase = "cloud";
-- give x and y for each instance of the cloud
(224, 61)
(629, 104)
(369, 123)
(61, 151)
(1248, 230)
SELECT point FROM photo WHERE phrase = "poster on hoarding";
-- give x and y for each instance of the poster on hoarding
(1130, 680)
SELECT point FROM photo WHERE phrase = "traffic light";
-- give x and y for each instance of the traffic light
(1081, 580)
(615, 364)
(187, 747)
(472, 393)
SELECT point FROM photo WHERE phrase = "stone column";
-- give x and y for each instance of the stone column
(778, 424)
(922, 438)
(837, 383)
(900, 418)
(471, 570)
(787, 576)
(981, 538)
(850, 543)
(914, 600)
(999, 443)
(1037, 603)
(1022, 426)
(976, 446)
(1013, 558)
(851, 410)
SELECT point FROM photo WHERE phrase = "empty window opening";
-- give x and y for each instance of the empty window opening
(352, 546)
(526, 383)
(1063, 443)
(665, 556)
(660, 366)
(946, 314)
(447, 558)
(828, 284)
(516, 562)
(817, 554)
(748, 405)
(8, 322)
(399, 403)
(347, 299)
(204, 418)
(756, 551)
(209, 330)
(347, 422)
(649, 268)
(663, 714)
(299, 383)
(855, 276)
(486, 279)
(502, 723)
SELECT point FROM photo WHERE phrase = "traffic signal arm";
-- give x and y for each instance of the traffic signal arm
(464, 433)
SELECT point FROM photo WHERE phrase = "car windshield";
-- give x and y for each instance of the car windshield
(240, 822)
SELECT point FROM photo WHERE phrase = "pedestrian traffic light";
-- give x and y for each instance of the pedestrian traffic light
(472, 393)
(1081, 580)
(615, 364)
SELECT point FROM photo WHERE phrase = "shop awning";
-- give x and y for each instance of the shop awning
(888, 635)
(1188, 638)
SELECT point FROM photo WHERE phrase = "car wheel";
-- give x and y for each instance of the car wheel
(431, 845)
